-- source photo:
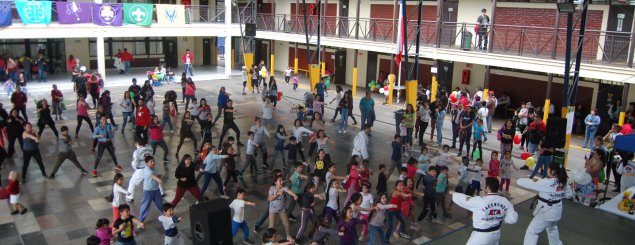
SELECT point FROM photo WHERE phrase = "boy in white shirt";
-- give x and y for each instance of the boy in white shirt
(169, 221)
(477, 176)
(238, 219)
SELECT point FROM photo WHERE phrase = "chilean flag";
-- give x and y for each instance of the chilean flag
(400, 34)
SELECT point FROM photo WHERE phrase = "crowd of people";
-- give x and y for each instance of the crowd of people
(309, 179)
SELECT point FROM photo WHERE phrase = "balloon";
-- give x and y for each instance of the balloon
(572, 174)
(453, 98)
(280, 93)
(387, 92)
(583, 179)
(530, 162)
(525, 155)
(279, 98)
(386, 88)
(476, 154)
(517, 139)
(382, 90)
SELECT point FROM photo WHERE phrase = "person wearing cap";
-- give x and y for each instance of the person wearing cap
(80, 83)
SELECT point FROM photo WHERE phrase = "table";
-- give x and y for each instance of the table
(611, 205)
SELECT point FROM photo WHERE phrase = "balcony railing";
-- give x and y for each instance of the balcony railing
(600, 47)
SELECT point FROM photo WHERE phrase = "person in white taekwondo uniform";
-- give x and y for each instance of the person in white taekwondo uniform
(138, 164)
(548, 211)
(489, 213)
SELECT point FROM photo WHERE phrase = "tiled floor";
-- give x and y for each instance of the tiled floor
(65, 210)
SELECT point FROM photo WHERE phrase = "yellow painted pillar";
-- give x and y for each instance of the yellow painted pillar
(272, 67)
(411, 92)
(391, 87)
(433, 89)
(232, 60)
(295, 66)
(354, 81)
(485, 94)
(565, 112)
(314, 75)
(249, 63)
(622, 117)
(545, 110)
(323, 71)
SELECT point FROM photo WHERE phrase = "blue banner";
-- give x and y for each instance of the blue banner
(34, 12)
(5, 13)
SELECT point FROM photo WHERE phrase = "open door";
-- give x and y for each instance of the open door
(207, 51)
(340, 67)
(170, 50)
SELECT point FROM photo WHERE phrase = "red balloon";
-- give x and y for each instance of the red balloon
(525, 155)
(279, 94)
(279, 97)
(517, 139)
(386, 88)
(453, 98)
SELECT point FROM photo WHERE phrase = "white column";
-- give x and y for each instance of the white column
(101, 56)
(228, 38)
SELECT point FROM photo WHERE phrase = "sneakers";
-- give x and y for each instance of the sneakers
(256, 228)
(362, 238)
(404, 235)
(15, 212)
(343, 131)
(94, 172)
(395, 234)
(166, 160)
(339, 131)
(171, 131)
(437, 221)
(52, 177)
(414, 227)
(247, 242)
(84, 172)
(23, 211)
(292, 218)
(118, 168)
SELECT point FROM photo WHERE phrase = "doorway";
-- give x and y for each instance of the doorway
(170, 49)
(618, 39)
(207, 51)
(340, 66)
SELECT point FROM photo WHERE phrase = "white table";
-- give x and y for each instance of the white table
(611, 205)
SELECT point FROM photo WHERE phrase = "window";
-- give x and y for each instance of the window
(136, 46)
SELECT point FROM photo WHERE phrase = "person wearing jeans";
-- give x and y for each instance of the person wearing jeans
(188, 58)
(343, 120)
(544, 160)
(398, 197)
(439, 123)
(212, 170)
(366, 106)
(592, 122)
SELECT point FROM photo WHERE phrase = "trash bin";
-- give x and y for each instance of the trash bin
(466, 40)
(398, 116)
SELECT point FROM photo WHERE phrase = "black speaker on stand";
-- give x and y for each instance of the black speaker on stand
(210, 223)
(250, 30)
(556, 135)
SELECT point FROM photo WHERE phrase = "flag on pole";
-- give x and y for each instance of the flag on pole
(137, 14)
(74, 12)
(34, 12)
(400, 34)
(170, 14)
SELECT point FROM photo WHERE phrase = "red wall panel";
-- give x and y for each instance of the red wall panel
(382, 28)
(425, 76)
(303, 61)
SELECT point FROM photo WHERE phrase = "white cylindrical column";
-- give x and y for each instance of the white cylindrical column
(228, 39)
(101, 56)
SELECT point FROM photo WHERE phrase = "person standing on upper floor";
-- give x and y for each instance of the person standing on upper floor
(592, 122)
(366, 107)
(126, 58)
(483, 22)
(188, 60)
(19, 99)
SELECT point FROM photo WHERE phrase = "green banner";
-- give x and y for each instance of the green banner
(137, 14)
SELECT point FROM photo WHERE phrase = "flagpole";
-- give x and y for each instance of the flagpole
(398, 84)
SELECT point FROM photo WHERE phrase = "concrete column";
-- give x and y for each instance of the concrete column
(101, 55)
(228, 39)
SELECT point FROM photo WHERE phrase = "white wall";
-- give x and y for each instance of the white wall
(78, 47)
(281, 52)
(283, 7)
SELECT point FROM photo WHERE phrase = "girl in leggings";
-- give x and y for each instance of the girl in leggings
(15, 127)
(31, 149)
(82, 115)
(276, 205)
(45, 118)
(186, 132)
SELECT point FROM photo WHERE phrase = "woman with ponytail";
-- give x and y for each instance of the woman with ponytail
(548, 211)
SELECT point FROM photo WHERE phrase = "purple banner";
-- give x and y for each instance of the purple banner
(107, 14)
(74, 13)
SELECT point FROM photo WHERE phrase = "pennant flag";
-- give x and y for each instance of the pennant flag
(107, 14)
(400, 34)
(137, 14)
(34, 12)
(5, 13)
(168, 14)
(74, 12)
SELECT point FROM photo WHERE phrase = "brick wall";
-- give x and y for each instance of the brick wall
(382, 29)
(538, 41)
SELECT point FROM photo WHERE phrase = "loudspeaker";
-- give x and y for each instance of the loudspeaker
(210, 223)
(556, 132)
(250, 30)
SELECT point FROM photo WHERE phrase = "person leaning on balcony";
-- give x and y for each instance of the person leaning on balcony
(483, 23)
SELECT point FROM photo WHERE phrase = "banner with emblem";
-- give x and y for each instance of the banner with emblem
(5, 13)
(169, 14)
(137, 14)
(74, 12)
(34, 12)
(107, 14)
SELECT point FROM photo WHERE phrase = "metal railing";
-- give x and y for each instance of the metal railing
(600, 47)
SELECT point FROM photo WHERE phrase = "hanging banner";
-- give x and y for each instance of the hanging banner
(5, 13)
(34, 12)
(107, 14)
(137, 14)
(74, 12)
(168, 14)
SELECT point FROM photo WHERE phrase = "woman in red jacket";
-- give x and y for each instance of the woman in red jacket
(190, 91)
